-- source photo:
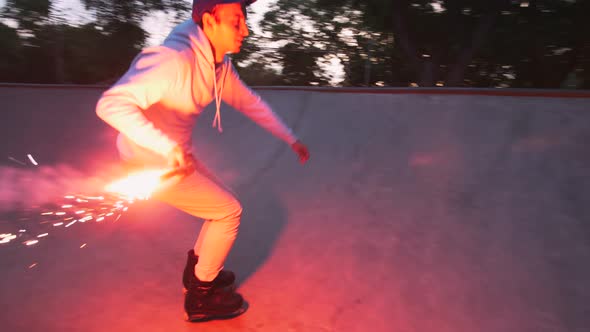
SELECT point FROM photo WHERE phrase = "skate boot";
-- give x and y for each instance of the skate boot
(224, 278)
(209, 300)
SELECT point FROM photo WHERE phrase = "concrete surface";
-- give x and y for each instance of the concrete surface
(416, 212)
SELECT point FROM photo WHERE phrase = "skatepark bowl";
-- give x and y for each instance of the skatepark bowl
(420, 210)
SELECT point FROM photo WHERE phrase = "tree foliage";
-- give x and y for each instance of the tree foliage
(484, 43)
(44, 48)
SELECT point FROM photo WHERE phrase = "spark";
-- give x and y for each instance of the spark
(5, 238)
(96, 198)
(32, 265)
(82, 246)
(32, 160)
(85, 219)
(114, 200)
(17, 161)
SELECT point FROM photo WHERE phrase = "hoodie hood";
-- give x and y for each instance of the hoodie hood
(189, 36)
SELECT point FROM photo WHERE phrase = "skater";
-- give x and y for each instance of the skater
(154, 107)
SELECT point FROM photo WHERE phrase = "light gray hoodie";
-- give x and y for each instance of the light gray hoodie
(155, 104)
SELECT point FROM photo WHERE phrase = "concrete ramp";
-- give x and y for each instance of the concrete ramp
(451, 210)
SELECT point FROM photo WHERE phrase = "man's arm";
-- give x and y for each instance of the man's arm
(242, 98)
(145, 83)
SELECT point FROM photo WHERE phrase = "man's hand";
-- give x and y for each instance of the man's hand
(181, 160)
(301, 151)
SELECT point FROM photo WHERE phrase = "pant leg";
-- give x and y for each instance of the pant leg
(204, 196)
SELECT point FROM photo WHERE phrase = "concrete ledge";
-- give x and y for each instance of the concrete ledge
(551, 93)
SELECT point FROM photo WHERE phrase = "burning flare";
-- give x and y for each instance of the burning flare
(140, 185)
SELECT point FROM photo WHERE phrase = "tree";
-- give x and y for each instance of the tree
(120, 23)
(309, 34)
(485, 43)
(541, 46)
(10, 53)
(500, 43)
(53, 51)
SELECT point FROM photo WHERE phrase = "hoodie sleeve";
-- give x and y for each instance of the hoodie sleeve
(242, 98)
(145, 83)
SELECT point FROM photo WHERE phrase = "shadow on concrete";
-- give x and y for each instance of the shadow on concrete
(263, 221)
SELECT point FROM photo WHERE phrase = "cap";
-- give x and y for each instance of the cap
(201, 7)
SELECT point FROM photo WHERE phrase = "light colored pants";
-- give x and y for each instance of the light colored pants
(202, 195)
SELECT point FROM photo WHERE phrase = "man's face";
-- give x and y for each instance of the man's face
(227, 28)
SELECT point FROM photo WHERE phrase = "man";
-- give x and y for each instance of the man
(154, 107)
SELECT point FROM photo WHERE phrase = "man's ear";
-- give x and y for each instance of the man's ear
(208, 20)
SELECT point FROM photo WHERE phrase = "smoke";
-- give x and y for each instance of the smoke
(25, 188)
(35, 202)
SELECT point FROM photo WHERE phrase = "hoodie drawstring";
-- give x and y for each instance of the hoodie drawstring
(218, 94)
